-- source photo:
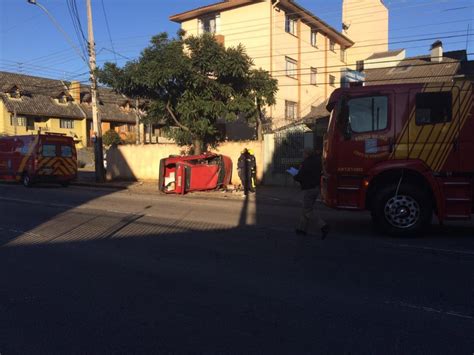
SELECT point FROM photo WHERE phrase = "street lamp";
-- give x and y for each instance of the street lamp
(91, 64)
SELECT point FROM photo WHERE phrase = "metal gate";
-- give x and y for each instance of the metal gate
(289, 148)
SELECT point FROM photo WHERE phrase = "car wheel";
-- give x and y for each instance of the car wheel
(26, 180)
(406, 213)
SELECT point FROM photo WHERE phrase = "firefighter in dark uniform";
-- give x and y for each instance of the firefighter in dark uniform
(247, 168)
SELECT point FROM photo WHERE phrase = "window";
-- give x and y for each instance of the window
(433, 107)
(360, 65)
(332, 80)
(290, 25)
(48, 150)
(209, 24)
(20, 121)
(67, 124)
(314, 38)
(314, 76)
(332, 45)
(368, 114)
(343, 55)
(291, 65)
(290, 110)
(66, 151)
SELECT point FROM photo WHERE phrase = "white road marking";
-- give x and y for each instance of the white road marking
(452, 251)
(430, 309)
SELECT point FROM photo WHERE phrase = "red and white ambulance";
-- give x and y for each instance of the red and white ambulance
(49, 157)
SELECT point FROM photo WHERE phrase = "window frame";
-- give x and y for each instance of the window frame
(313, 75)
(294, 105)
(314, 38)
(65, 123)
(342, 54)
(332, 45)
(447, 94)
(388, 110)
(291, 73)
(290, 24)
(332, 80)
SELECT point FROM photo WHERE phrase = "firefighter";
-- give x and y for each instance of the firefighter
(253, 170)
(247, 167)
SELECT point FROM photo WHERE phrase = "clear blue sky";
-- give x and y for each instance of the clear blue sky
(30, 43)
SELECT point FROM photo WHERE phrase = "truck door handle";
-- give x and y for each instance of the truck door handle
(390, 145)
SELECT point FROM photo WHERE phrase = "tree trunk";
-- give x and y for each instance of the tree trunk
(197, 146)
(259, 125)
(137, 122)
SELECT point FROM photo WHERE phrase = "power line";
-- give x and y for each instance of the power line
(108, 30)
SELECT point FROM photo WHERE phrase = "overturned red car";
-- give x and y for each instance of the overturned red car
(182, 174)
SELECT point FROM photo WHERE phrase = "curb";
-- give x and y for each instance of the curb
(99, 185)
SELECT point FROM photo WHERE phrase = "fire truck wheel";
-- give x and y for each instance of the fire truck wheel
(406, 214)
(26, 180)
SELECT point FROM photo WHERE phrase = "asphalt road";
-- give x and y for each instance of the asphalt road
(99, 271)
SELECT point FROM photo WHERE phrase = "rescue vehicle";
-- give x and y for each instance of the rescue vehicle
(404, 152)
(49, 157)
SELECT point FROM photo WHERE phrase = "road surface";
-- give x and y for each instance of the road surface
(101, 271)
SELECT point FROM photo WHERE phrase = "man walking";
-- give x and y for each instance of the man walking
(309, 177)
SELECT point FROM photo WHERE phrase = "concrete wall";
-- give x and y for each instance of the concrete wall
(142, 162)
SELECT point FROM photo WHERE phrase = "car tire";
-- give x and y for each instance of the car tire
(407, 214)
(26, 180)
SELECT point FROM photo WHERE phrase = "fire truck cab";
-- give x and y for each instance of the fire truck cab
(47, 157)
(403, 152)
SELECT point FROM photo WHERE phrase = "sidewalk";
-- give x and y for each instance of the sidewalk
(267, 194)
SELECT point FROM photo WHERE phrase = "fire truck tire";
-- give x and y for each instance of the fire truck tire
(26, 180)
(406, 215)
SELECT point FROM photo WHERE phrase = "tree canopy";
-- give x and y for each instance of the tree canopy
(191, 82)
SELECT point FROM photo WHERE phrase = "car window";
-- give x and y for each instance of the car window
(66, 151)
(368, 114)
(48, 150)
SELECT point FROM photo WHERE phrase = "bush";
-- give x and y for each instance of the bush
(111, 138)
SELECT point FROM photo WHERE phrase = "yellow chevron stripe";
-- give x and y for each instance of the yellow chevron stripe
(446, 143)
(463, 112)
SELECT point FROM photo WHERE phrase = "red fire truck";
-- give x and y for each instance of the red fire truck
(403, 152)
(46, 157)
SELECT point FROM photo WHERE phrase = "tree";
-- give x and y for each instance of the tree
(111, 138)
(190, 83)
(263, 88)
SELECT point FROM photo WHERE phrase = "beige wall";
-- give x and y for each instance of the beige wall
(142, 162)
(368, 28)
(4, 116)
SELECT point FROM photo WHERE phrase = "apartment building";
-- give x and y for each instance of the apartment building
(305, 54)
(29, 104)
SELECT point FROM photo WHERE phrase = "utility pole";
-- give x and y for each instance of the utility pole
(96, 122)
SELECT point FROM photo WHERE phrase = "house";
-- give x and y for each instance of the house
(303, 52)
(438, 66)
(29, 104)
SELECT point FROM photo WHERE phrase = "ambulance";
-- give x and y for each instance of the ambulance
(28, 159)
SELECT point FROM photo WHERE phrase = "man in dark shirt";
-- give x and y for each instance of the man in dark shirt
(309, 176)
